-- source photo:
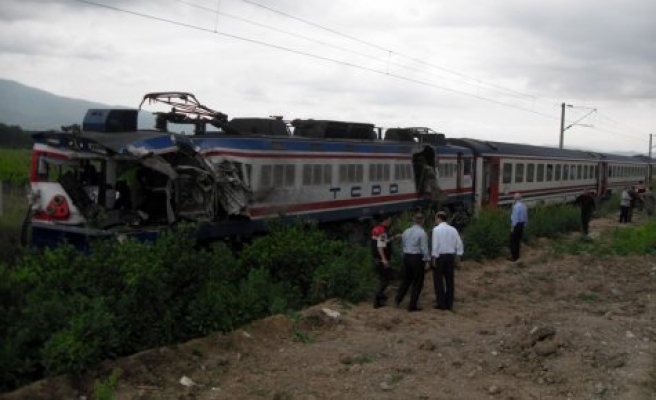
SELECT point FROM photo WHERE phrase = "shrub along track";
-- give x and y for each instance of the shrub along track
(550, 326)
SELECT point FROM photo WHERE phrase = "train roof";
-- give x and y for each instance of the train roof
(623, 158)
(481, 147)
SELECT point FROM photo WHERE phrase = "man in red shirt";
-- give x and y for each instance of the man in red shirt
(381, 252)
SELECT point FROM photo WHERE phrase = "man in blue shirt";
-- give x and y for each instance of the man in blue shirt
(518, 221)
(416, 259)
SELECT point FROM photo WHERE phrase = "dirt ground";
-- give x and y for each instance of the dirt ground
(546, 327)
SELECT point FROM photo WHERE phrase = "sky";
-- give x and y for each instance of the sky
(487, 69)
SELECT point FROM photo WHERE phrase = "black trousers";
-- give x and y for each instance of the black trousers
(413, 276)
(585, 222)
(443, 281)
(624, 214)
(384, 277)
(516, 240)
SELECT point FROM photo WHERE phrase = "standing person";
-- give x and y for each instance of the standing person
(587, 204)
(381, 251)
(518, 221)
(446, 245)
(649, 201)
(625, 205)
(416, 259)
(634, 195)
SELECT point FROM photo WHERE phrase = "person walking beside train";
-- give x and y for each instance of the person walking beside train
(625, 205)
(632, 204)
(518, 221)
(416, 259)
(446, 246)
(381, 251)
(586, 202)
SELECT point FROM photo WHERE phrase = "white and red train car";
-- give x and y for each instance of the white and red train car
(545, 175)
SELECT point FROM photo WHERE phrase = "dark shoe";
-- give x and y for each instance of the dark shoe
(439, 308)
(379, 304)
(413, 309)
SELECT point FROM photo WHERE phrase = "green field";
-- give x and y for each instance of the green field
(15, 166)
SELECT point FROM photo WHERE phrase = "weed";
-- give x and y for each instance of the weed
(362, 359)
(197, 352)
(394, 379)
(298, 335)
(588, 297)
(106, 389)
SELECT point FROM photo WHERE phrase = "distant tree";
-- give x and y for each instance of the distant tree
(14, 137)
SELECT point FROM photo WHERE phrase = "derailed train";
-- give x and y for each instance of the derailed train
(110, 179)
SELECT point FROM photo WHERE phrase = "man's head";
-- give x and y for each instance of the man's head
(518, 196)
(385, 219)
(440, 216)
(418, 218)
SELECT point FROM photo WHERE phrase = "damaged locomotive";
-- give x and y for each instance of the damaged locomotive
(110, 179)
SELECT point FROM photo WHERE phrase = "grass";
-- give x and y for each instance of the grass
(12, 214)
(15, 166)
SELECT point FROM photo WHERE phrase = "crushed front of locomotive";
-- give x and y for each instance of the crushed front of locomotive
(119, 184)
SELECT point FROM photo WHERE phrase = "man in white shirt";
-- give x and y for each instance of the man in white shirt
(446, 245)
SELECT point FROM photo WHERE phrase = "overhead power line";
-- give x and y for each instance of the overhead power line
(385, 61)
(327, 59)
(390, 51)
(315, 56)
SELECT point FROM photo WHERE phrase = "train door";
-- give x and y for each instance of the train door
(493, 168)
(459, 171)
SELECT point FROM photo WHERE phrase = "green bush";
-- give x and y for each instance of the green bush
(348, 276)
(291, 254)
(553, 221)
(634, 239)
(488, 235)
(64, 311)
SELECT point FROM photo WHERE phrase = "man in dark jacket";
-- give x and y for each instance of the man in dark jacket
(587, 204)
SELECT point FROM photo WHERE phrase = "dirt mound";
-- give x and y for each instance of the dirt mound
(548, 327)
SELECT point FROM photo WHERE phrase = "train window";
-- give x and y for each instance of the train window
(578, 172)
(507, 173)
(530, 172)
(350, 173)
(327, 174)
(402, 172)
(290, 175)
(266, 176)
(549, 172)
(317, 174)
(519, 173)
(558, 170)
(467, 166)
(379, 172)
(278, 175)
(540, 177)
(565, 172)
